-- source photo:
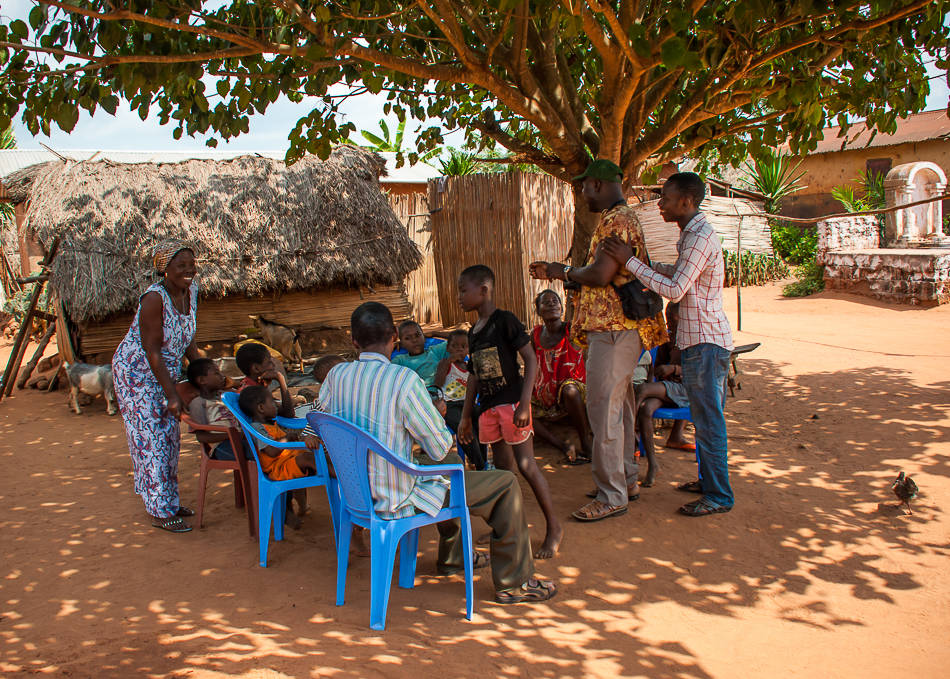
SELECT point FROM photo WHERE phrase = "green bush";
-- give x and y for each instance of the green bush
(793, 244)
(811, 279)
(757, 268)
(16, 305)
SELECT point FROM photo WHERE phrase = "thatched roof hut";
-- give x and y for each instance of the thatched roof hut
(260, 229)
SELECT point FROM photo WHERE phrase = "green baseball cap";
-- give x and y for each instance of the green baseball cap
(602, 169)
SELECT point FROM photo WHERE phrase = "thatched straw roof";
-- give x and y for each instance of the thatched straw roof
(258, 225)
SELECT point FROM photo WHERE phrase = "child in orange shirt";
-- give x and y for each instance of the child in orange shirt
(279, 464)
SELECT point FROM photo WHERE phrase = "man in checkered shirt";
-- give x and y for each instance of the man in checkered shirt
(704, 335)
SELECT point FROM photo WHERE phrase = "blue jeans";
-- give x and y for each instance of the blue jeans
(705, 369)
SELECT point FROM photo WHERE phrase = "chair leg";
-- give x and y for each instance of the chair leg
(250, 485)
(202, 486)
(238, 490)
(280, 513)
(342, 557)
(382, 556)
(333, 498)
(466, 527)
(265, 508)
(408, 550)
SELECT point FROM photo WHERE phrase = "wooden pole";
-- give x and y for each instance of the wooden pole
(21, 341)
(19, 344)
(37, 355)
(739, 275)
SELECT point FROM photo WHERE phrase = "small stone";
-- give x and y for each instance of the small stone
(815, 416)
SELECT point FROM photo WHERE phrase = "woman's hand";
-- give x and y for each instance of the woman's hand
(174, 407)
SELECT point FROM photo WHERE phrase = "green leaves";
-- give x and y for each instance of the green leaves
(19, 30)
(701, 96)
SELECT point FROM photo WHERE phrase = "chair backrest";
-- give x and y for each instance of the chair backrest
(230, 399)
(348, 447)
(234, 436)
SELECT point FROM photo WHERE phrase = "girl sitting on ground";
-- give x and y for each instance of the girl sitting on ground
(561, 387)
(667, 392)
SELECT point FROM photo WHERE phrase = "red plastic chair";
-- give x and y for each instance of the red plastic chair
(244, 495)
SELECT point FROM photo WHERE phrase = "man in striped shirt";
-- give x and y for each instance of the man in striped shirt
(704, 335)
(391, 403)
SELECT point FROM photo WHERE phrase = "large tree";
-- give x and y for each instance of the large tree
(639, 82)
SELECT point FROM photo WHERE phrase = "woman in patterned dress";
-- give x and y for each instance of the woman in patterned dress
(560, 389)
(146, 367)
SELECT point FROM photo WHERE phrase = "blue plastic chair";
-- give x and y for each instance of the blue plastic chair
(272, 495)
(670, 414)
(430, 342)
(349, 447)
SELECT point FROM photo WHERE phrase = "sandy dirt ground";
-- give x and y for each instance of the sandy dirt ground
(806, 577)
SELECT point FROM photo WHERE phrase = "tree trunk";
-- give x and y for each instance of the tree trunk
(585, 222)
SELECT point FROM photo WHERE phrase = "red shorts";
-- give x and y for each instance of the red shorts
(498, 424)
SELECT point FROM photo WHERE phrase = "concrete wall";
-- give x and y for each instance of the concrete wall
(824, 171)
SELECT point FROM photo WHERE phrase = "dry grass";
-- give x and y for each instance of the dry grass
(257, 225)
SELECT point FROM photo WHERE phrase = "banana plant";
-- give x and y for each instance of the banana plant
(385, 142)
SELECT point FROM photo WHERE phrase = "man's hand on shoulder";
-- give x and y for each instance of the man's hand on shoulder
(617, 250)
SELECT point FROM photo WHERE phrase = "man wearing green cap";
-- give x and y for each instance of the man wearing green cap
(613, 342)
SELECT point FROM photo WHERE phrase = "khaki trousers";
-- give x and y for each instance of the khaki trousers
(496, 497)
(611, 359)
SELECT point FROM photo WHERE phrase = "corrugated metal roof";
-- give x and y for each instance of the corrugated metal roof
(918, 127)
(12, 160)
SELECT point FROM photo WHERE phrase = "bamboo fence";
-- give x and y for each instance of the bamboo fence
(723, 213)
(504, 221)
(422, 286)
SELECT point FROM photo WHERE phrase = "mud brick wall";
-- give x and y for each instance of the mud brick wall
(847, 233)
(919, 277)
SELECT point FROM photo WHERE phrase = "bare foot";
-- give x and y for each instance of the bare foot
(292, 520)
(357, 543)
(484, 539)
(650, 477)
(570, 452)
(552, 541)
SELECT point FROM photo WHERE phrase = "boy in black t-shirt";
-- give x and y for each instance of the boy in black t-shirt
(495, 341)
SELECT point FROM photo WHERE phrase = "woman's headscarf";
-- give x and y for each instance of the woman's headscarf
(165, 252)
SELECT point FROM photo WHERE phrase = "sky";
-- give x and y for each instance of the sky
(268, 131)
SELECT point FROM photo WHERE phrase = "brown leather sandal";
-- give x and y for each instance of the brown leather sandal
(597, 511)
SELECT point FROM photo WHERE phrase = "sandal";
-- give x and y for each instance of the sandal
(479, 560)
(630, 496)
(533, 591)
(173, 524)
(185, 511)
(597, 511)
(690, 487)
(703, 507)
(689, 447)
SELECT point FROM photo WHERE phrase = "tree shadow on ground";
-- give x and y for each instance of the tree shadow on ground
(90, 587)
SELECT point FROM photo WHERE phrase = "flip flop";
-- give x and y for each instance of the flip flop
(597, 511)
(173, 524)
(533, 591)
(690, 487)
(691, 447)
(578, 460)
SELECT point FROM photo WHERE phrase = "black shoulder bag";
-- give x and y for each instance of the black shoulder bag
(637, 300)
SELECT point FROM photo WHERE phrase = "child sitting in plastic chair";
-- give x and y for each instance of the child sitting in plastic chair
(279, 465)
